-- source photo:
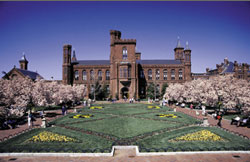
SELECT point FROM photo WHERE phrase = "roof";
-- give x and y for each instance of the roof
(31, 74)
(158, 62)
(92, 62)
(229, 68)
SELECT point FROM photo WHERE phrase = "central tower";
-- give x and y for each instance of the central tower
(123, 82)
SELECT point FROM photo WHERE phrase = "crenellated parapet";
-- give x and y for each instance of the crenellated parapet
(125, 41)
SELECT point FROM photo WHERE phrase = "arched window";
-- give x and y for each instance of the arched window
(99, 75)
(149, 74)
(124, 53)
(76, 75)
(84, 75)
(165, 74)
(157, 74)
(92, 75)
(172, 74)
(180, 74)
(107, 75)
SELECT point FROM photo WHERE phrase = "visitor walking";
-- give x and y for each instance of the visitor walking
(219, 117)
(63, 109)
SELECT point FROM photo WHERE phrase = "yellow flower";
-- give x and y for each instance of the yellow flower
(203, 135)
(155, 107)
(96, 107)
(167, 115)
(46, 136)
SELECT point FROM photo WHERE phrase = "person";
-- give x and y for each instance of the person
(219, 117)
(41, 114)
(63, 109)
(30, 120)
(191, 106)
(84, 103)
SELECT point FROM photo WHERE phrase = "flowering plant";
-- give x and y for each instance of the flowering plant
(203, 135)
(154, 107)
(167, 115)
(46, 136)
(82, 116)
(96, 107)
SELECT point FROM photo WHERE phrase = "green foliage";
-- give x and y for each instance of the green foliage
(152, 91)
(163, 89)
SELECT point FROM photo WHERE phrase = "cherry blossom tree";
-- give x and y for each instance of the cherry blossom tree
(232, 92)
(17, 94)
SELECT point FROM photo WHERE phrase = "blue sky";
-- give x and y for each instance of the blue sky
(215, 30)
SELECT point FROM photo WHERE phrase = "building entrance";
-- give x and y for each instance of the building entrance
(124, 92)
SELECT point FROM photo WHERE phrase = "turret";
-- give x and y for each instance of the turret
(178, 50)
(67, 64)
(23, 63)
(187, 53)
(114, 35)
(74, 56)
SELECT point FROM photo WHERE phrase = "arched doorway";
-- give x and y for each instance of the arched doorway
(124, 92)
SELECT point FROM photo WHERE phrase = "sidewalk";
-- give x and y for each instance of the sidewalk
(5, 134)
(226, 124)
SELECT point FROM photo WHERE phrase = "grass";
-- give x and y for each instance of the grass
(232, 142)
(84, 142)
(135, 123)
(124, 127)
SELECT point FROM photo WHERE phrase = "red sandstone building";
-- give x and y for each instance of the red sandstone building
(125, 73)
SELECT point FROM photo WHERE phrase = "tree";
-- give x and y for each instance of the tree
(152, 91)
(227, 89)
(163, 89)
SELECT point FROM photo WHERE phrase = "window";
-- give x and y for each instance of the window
(76, 75)
(172, 74)
(107, 75)
(92, 75)
(149, 74)
(99, 75)
(65, 59)
(157, 74)
(142, 74)
(84, 75)
(165, 74)
(124, 53)
(180, 74)
(124, 72)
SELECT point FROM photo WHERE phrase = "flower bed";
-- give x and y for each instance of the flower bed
(167, 115)
(203, 135)
(154, 107)
(46, 136)
(96, 107)
(82, 116)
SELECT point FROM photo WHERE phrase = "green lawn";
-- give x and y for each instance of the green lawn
(124, 127)
(162, 141)
(125, 124)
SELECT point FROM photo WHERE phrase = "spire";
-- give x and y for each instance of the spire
(23, 58)
(74, 55)
(187, 46)
(178, 42)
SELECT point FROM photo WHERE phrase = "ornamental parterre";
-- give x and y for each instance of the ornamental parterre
(82, 116)
(46, 136)
(203, 135)
(96, 107)
(167, 115)
(154, 107)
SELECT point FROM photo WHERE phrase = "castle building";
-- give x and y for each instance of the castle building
(240, 71)
(125, 73)
(22, 72)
